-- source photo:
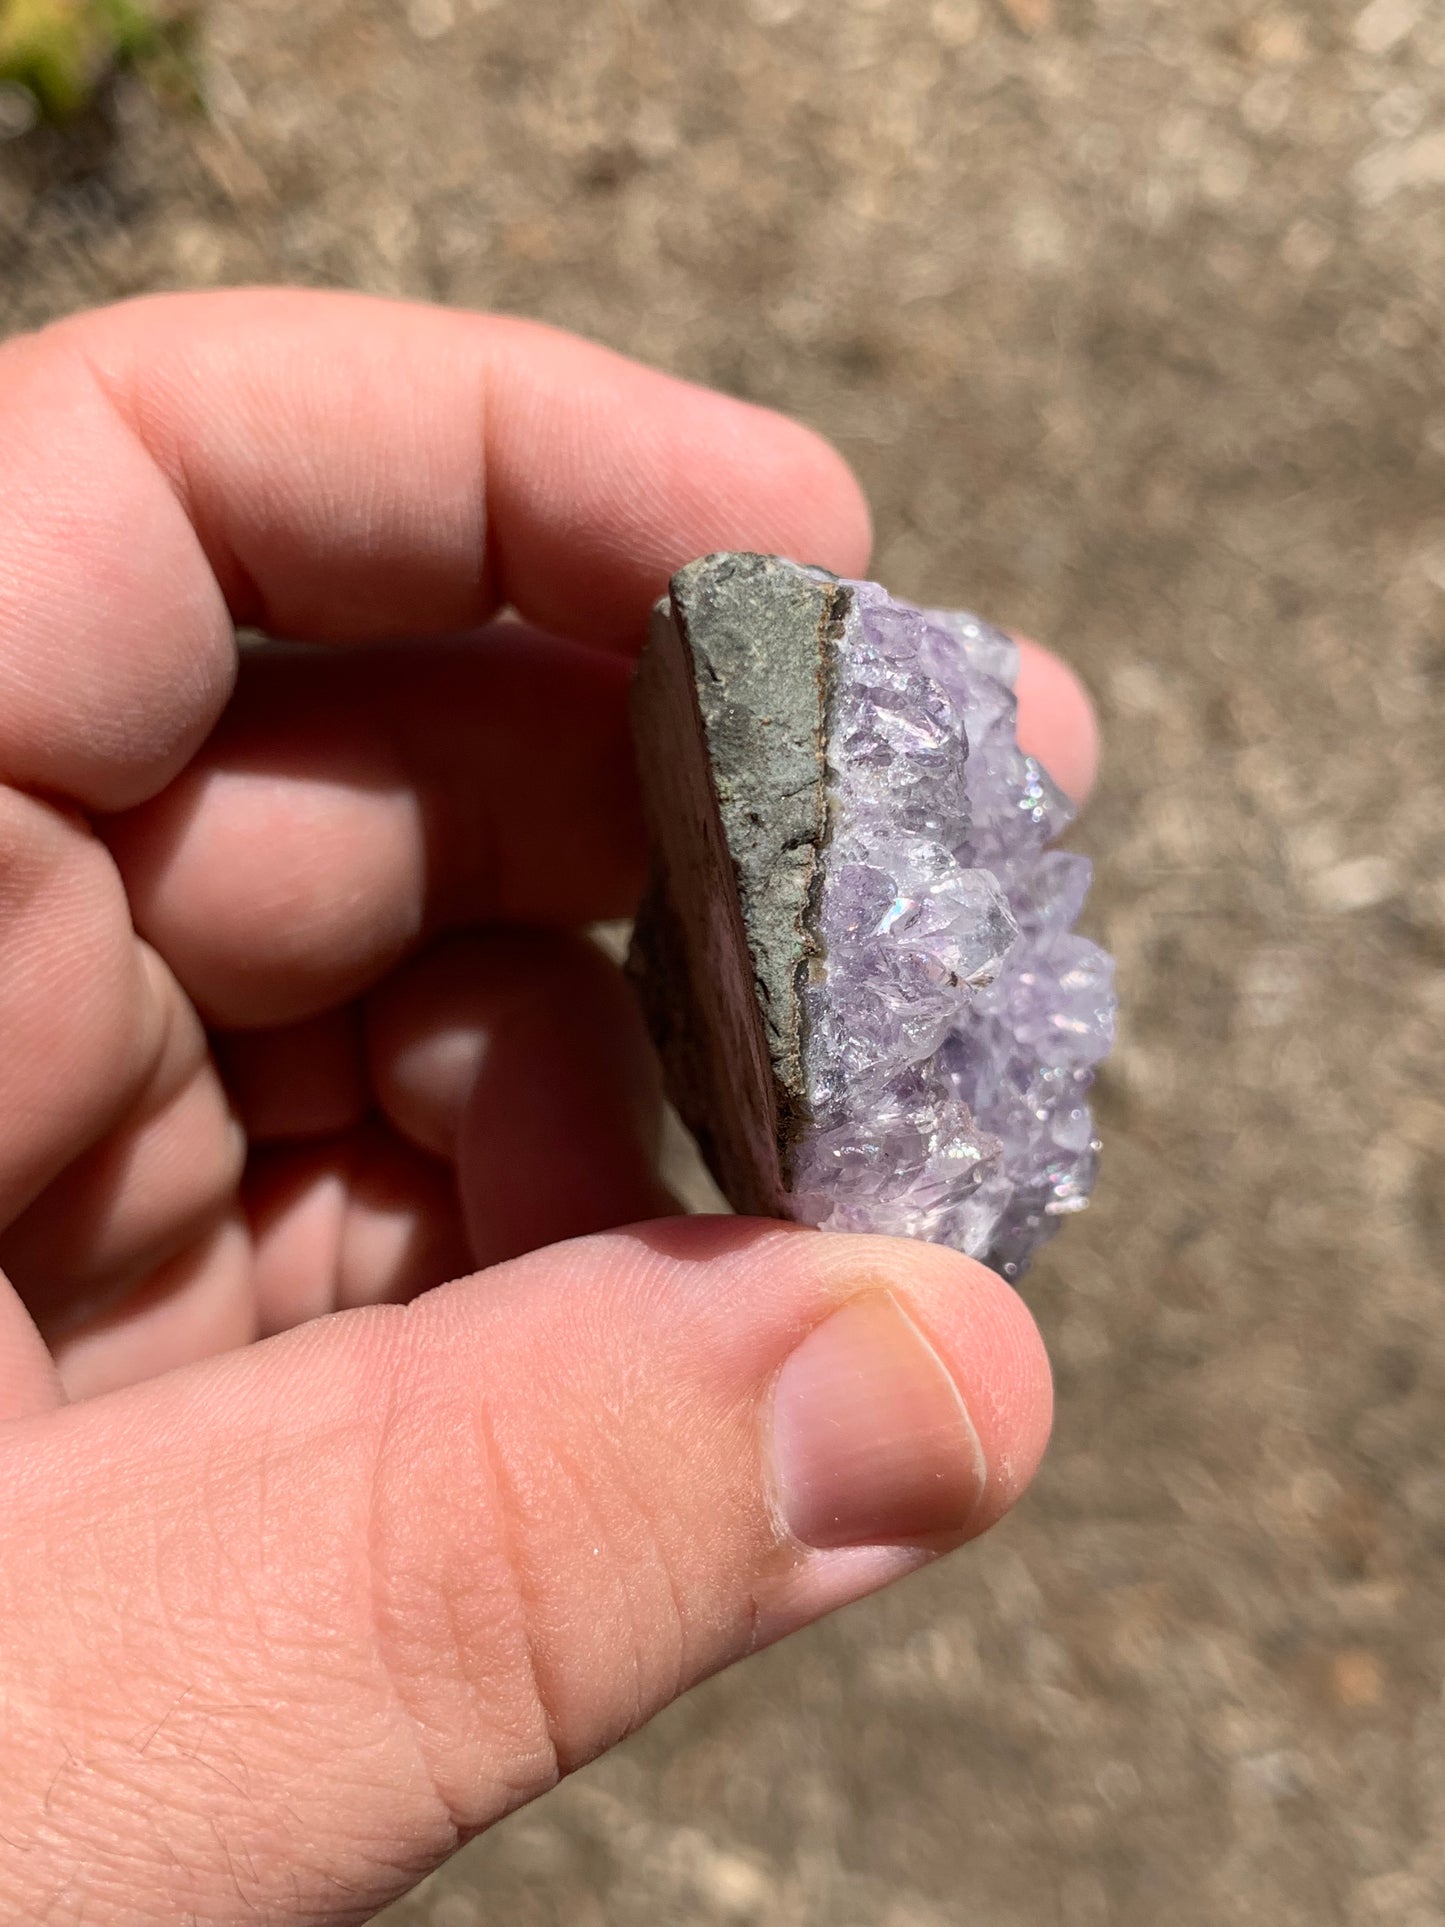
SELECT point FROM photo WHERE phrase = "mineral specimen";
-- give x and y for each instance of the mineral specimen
(856, 950)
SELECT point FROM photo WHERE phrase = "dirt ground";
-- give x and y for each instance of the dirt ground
(1130, 315)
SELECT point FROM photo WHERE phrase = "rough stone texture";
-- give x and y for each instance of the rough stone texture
(728, 711)
(856, 949)
(1132, 324)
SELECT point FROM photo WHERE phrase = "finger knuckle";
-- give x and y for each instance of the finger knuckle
(523, 1594)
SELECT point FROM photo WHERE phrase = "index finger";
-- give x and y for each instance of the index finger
(335, 467)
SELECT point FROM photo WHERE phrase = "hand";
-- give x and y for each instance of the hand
(291, 1023)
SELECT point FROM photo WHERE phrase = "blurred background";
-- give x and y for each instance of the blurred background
(1130, 316)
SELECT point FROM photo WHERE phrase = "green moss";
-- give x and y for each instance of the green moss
(62, 49)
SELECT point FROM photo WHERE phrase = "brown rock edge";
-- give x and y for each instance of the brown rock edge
(729, 718)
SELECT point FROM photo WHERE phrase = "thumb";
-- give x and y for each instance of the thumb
(280, 1630)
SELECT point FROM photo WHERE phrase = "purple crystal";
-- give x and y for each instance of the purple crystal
(952, 1018)
(856, 950)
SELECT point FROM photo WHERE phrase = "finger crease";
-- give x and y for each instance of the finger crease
(507, 1507)
(243, 594)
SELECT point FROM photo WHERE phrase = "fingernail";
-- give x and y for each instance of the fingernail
(872, 1443)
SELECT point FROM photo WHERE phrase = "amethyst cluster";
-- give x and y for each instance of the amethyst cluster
(955, 1018)
(857, 950)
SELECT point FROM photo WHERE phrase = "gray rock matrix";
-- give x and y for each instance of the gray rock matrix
(729, 714)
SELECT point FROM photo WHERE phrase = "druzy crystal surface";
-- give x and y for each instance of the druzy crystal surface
(952, 1017)
(857, 950)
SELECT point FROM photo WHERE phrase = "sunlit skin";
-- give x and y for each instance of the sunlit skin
(294, 1022)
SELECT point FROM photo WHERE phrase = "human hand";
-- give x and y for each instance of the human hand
(291, 1023)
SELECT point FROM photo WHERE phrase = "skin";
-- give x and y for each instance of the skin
(311, 1563)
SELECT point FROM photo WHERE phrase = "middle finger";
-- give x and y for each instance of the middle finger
(351, 802)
